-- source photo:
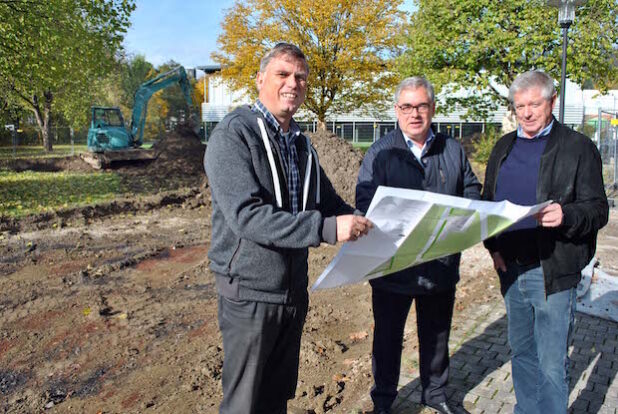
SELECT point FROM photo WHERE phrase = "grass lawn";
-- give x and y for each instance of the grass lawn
(37, 151)
(363, 146)
(35, 192)
(29, 192)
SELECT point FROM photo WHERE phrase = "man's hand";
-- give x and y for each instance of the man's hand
(550, 216)
(498, 261)
(351, 227)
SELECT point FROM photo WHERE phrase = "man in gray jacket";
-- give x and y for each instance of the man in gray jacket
(270, 201)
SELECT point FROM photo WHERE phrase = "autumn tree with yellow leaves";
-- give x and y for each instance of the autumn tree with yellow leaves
(349, 44)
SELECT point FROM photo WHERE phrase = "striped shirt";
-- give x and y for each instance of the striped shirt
(287, 146)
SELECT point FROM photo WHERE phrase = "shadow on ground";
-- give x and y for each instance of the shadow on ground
(480, 376)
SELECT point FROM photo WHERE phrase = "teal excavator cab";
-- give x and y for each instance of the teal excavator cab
(107, 131)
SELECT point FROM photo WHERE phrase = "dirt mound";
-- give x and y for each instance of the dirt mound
(178, 165)
(190, 198)
(180, 152)
(340, 160)
(68, 163)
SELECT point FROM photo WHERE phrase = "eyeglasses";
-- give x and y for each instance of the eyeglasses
(407, 109)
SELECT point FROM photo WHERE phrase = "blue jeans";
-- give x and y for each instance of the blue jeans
(539, 332)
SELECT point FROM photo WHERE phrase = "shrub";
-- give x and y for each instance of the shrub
(483, 146)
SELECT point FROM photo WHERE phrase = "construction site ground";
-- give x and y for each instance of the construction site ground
(112, 309)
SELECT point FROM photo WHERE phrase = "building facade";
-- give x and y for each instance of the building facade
(580, 106)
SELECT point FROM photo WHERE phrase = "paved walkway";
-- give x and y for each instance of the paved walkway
(481, 372)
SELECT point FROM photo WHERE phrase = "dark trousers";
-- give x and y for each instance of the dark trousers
(433, 318)
(261, 346)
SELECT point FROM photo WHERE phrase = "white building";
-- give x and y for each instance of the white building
(580, 106)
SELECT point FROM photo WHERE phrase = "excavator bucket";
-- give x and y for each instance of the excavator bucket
(107, 159)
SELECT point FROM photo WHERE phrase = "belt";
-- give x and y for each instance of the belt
(528, 259)
(524, 267)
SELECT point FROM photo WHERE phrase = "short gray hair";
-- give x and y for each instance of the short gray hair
(533, 79)
(280, 49)
(415, 82)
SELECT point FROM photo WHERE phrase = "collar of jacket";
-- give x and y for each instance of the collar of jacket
(553, 141)
(306, 155)
(273, 132)
(272, 137)
(400, 143)
(273, 123)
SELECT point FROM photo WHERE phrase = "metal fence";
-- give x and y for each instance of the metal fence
(607, 140)
(28, 136)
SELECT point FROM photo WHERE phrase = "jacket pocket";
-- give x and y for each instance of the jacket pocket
(261, 268)
(234, 257)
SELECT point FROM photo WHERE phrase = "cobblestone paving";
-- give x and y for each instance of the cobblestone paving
(480, 378)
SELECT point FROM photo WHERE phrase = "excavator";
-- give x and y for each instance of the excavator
(110, 141)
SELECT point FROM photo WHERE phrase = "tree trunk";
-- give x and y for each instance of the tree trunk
(509, 121)
(47, 141)
(321, 125)
(43, 118)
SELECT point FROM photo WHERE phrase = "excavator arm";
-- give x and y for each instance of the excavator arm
(145, 92)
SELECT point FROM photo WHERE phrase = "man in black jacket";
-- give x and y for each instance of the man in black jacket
(539, 260)
(414, 157)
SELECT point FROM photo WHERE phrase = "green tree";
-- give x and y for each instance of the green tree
(348, 43)
(135, 71)
(52, 52)
(480, 44)
(175, 98)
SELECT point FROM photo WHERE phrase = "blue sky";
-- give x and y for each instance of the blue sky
(183, 30)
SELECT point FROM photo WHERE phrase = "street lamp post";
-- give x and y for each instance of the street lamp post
(566, 15)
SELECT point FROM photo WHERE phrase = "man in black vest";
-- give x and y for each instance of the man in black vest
(540, 260)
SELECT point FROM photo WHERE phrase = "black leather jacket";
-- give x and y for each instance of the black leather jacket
(570, 174)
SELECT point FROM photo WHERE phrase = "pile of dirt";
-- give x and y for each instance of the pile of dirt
(188, 197)
(180, 153)
(340, 161)
(178, 164)
(69, 163)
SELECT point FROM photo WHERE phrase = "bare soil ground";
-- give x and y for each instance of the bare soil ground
(112, 309)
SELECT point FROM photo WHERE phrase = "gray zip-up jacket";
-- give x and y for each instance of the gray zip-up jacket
(258, 249)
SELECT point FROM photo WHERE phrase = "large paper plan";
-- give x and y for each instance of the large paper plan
(411, 227)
